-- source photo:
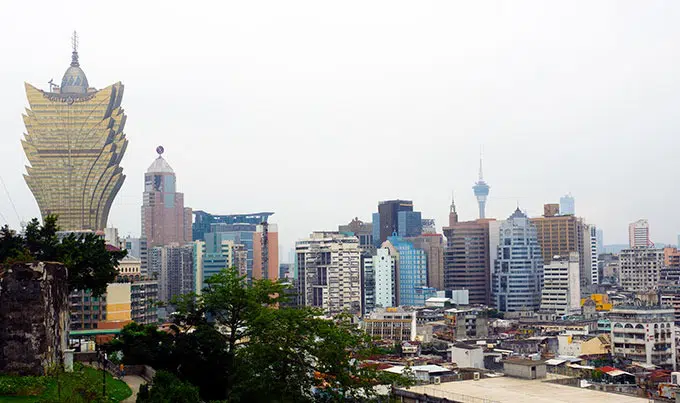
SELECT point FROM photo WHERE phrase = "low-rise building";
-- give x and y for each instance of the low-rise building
(525, 369)
(645, 334)
(467, 323)
(392, 324)
(467, 356)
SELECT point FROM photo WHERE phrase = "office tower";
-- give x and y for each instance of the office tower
(638, 234)
(644, 334)
(386, 222)
(173, 266)
(379, 280)
(640, 268)
(74, 143)
(567, 205)
(363, 231)
(466, 263)
(208, 262)
(266, 252)
(517, 276)
(409, 223)
(411, 280)
(561, 285)
(203, 221)
(481, 191)
(241, 229)
(561, 235)
(433, 246)
(285, 270)
(165, 220)
(590, 250)
(328, 272)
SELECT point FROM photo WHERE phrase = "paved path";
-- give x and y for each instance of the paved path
(134, 382)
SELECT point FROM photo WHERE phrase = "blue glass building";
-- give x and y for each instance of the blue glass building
(412, 289)
(409, 223)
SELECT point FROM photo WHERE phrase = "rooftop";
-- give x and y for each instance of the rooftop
(512, 390)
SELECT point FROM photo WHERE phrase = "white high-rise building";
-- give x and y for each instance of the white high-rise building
(561, 285)
(640, 268)
(638, 234)
(591, 248)
(567, 205)
(384, 265)
(328, 272)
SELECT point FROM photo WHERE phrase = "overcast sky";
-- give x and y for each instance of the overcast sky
(316, 110)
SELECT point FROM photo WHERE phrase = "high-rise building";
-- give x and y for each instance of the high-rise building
(561, 235)
(266, 252)
(409, 223)
(241, 229)
(411, 280)
(640, 268)
(591, 251)
(638, 234)
(567, 205)
(379, 280)
(561, 285)
(386, 221)
(328, 272)
(203, 221)
(165, 220)
(132, 246)
(467, 259)
(363, 231)
(433, 246)
(600, 241)
(481, 191)
(517, 276)
(173, 267)
(428, 226)
(74, 143)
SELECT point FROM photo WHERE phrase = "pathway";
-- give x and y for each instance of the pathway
(134, 382)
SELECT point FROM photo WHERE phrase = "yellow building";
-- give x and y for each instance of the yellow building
(601, 302)
(74, 142)
(118, 306)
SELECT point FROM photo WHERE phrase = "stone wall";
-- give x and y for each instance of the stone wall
(34, 317)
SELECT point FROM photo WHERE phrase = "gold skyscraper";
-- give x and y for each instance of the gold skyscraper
(74, 142)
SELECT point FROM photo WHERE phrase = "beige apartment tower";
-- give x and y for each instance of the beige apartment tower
(74, 142)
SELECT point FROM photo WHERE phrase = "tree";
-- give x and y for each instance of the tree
(236, 343)
(90, 265)
(166, 387)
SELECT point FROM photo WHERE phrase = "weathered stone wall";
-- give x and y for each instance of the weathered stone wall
(34, 317)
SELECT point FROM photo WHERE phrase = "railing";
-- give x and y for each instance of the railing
(431, 391)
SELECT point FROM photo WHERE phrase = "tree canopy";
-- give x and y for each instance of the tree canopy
(237, 342)
(90, 265)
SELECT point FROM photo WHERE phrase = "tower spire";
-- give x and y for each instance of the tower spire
(74, 44)
(453, 216)
(453, 203)
(481, 174)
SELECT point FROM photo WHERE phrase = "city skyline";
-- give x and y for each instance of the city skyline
(303, 130)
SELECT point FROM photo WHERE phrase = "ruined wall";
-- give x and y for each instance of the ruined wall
(34, 317)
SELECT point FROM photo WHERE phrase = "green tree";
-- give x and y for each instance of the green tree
(167, 388)
(236, 343)
(90, 265)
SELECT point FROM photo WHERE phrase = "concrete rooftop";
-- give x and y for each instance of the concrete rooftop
(505, 389)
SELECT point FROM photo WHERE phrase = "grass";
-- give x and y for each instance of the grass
(83, 385)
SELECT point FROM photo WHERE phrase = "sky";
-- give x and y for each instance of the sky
(317, 110)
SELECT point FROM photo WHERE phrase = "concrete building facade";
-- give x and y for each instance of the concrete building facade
(561, 285)
(328, 272)
(638, 234)
(640, 268)
(173, 267)
(644, 334)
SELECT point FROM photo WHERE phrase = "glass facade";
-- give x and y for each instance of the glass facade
(412, 269)
(409, 223)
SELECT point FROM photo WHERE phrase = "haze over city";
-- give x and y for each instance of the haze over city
(316, 111)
